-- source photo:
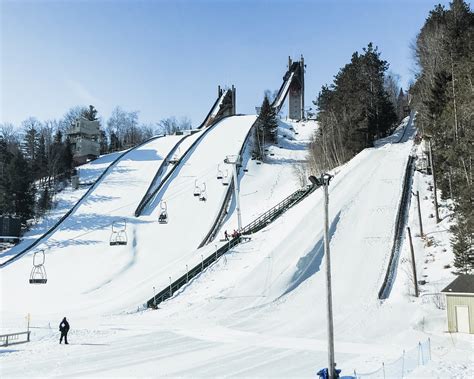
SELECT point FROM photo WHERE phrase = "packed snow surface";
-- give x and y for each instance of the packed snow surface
(260, 310)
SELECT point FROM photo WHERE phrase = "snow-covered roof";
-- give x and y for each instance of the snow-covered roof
(462, 284)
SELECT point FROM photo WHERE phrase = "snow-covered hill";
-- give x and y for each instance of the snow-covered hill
(260, 310)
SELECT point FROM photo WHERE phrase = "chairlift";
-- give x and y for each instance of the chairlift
(38, 273)
(226, 178)
(197, 190)
(203, 194)
(119, 233)
(220, 174)
(163, 217)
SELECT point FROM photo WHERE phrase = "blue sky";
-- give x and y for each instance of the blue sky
(166, 58)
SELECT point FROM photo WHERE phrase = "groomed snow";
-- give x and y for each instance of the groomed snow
(260, 310)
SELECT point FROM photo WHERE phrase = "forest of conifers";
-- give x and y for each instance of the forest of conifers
(359, 107)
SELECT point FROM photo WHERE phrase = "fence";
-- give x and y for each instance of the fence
(13, 338)
(401, 367)
(402, 216)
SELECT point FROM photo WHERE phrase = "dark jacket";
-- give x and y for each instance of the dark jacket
(64, 326)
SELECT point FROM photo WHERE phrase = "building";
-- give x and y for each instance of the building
(460, 304)
(10, 229)
(84, 136)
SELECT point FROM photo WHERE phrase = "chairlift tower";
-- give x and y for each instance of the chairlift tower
(234, 160)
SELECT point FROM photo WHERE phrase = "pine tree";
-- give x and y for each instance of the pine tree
(104, 148)
(462, 243)
(353, 111)
(42, 159)
(443, 100)
(44, 201)
(90, 114)
(21, 187)
(67, 158)
(268, 122)
(6, 204)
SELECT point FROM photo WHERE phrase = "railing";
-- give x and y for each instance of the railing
(402, 213)
(13, 338)
(253, 227)
(68, 213)
(404, 365)
(277, 210)
(168, 292)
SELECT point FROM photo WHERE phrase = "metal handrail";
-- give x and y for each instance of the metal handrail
(402, 213)
(269, 216)
(276, 211)
(14, 337)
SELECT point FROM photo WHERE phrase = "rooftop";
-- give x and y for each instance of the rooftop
(464, 283)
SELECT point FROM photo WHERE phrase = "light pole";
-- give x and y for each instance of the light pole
(234, 160)
(324, 181)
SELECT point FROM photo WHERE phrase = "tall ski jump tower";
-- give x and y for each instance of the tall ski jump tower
(296, 91)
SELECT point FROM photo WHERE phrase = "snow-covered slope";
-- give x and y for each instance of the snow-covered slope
(87, 273)
(260, 310)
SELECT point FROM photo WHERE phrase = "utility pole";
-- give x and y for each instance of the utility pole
(234, 160)
(324, 181)
(413, 266)
(434, 182)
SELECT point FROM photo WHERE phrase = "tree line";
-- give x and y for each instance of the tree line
(444, 101)
(362, 104)
(36, 157)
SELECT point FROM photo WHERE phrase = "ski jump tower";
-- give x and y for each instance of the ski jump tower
(296, 95)
(293, 86)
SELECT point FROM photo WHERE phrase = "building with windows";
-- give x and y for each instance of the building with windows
(84, 137)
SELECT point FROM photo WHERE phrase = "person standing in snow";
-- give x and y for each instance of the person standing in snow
(226, 236)
(64, 328)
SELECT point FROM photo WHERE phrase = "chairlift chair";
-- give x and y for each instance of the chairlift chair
(203, 194)
(197, 190)
(38, 273)
(163, 217)
(226, 178)
(119, 233)
(220, 174)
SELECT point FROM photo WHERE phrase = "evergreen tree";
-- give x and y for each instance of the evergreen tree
(443, 99)
(104, 148)
(67, 158)
(44, 201)
(90, 114)
(353, 111)
(268, 122)
(5, 194)
(21, 187)
(42, 159)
